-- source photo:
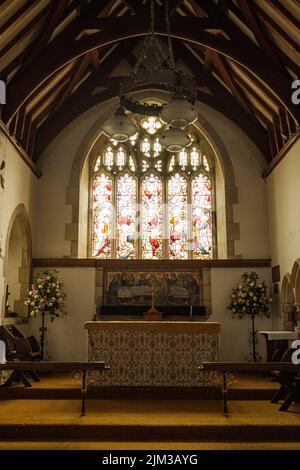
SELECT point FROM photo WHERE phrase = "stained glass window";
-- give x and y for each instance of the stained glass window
(151, 124)
(195, 158)
(97, 164)
(126, 215)
(102, 216)
(120, 158)
(202, 217)
(178, 224)
(147, 203)
(152, 217)
(108, 158)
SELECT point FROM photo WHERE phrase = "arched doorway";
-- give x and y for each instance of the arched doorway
(17, 264)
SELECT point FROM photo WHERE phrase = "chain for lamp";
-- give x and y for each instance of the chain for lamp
(155, 73)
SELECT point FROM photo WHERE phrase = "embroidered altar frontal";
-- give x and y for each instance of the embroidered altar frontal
(165, 354)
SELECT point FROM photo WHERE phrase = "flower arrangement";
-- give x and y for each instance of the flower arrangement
(250, 297)
(46, 295)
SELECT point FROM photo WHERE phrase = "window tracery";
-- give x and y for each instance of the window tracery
(146, 203)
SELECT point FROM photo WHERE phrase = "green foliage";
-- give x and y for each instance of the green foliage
(250, 297)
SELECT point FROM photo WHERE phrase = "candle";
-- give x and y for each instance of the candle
(191, 312)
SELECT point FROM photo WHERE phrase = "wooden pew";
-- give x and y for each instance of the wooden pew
(83, 367)
(228, 372)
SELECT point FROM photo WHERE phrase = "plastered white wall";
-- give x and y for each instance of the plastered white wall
(66, 336)
(20, 188)
(235, 332)
(283, 196)
(283, 186)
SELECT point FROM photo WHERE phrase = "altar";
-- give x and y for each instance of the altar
(155, 353)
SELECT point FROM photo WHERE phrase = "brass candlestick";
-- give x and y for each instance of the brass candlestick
(191, 312)
(152, 314)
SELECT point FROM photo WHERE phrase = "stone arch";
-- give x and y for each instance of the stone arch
(18, 256)
(295, 281)
(75, 231)
(287, 302)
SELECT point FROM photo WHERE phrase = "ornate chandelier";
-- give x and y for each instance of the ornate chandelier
(156, 67)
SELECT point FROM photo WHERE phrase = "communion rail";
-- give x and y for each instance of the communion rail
(83, 367)
(285, 372)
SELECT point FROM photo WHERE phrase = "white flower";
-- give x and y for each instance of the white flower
(40, 286)
(50, 304)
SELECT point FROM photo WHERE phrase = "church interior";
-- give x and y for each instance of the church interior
(149, 224)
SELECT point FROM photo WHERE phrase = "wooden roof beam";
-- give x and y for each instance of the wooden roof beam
(278, 29)
(77, 76)
(173, 5)
(244, 85)
(19, 37)
(19, 15)
(228, 105)
(21, 57)
(257, 28)
(285, 13)
(136, 7)
(94, 58)
(93, 25)
(54, 18)
(286, 60)
(59, 52)
(225, 73)
(82, 93)
(208, 61)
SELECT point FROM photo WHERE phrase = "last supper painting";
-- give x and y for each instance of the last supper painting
(133, 288)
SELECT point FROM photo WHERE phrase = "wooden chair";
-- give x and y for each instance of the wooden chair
(18, 348)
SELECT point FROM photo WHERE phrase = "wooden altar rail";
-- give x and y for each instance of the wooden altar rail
(228, 371)
(116, 264)
(39, 366)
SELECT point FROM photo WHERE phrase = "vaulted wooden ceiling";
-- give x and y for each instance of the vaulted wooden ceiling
(58, 59)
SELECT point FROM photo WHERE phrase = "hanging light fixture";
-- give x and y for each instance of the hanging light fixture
(178, 113)
(119, 127)
(174, 140)
(156, 66)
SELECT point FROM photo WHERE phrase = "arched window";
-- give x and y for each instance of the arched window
(147, 203)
